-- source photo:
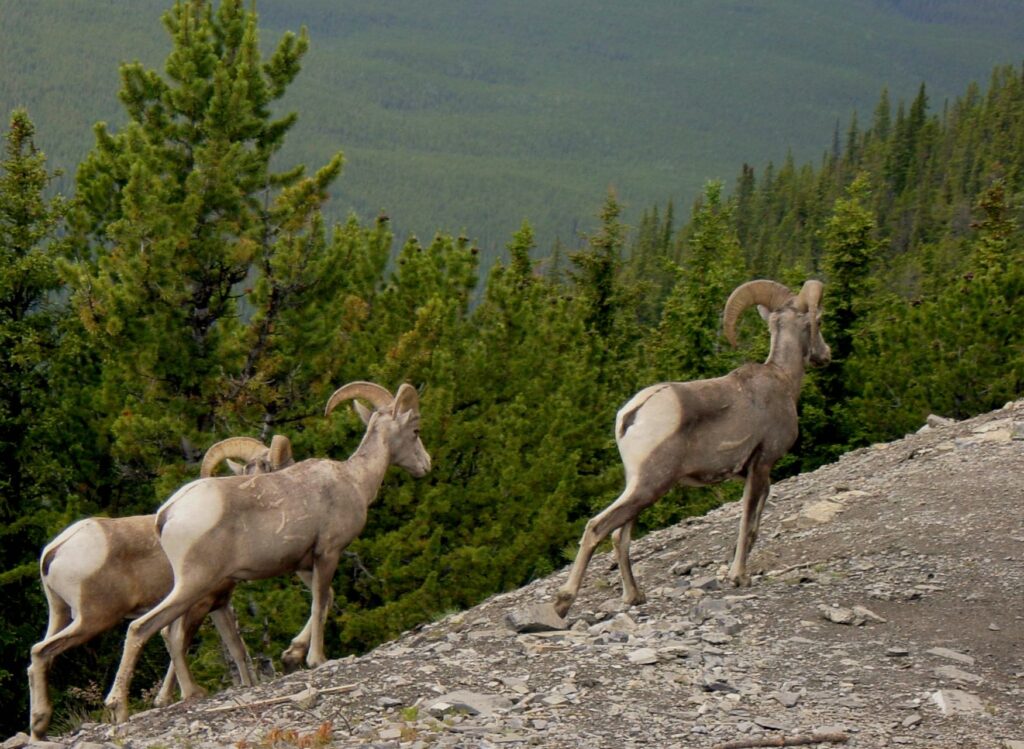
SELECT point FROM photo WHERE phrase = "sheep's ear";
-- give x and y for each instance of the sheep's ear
(362, 411)
(764, 312)
(236, 468)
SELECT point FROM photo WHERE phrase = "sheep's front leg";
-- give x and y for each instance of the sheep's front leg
(323, 572)
(631, 593)
(165, 696)
(293, 657)
(227, 626)
(754, 494)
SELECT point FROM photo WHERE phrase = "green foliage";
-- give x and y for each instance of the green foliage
(36, 409)
(687, 344)
(174, 213)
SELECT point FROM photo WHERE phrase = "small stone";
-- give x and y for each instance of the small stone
(716, 638)
(951, 655)
(866, 613)
(911, 720)
(708, 608)
(956, 701)
(837, 614)
(683, 568)
(643, 656)
(956, 674)
(537, 617)
(388, 702)
(786, 699)
(705, 583)
(305, 699)
(390, 733)
(469, 702)
(819, 513)
(1013, 744)
(770, 724)
(854, 703)
(995, 627)
(897, 652)
(554, 700)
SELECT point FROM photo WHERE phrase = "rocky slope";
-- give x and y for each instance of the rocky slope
(888, 612)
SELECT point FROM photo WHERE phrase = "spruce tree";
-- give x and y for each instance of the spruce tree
(40, 439)
(688, 343)
(190, 246)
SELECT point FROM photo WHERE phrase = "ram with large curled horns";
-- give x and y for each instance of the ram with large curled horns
(706, 431)
(216, 532)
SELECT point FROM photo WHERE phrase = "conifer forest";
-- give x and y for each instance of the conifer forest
(188, 284)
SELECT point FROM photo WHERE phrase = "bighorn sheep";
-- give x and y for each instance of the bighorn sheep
(99, 571)
(704, 432)
(216, 532)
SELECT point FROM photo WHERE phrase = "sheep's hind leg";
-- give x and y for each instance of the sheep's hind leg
(618, 513)
(754, 494)
(61, 634)
(139, 633)
(631, 593)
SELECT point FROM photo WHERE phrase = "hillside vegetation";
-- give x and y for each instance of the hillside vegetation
(194, 289)
(466, 116)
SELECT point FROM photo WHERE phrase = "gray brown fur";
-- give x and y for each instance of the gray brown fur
(218, 531)
(132, 575)
(706, 431)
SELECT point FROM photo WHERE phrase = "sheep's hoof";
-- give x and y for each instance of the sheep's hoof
(116, 711)
(39, 723)
(195, 693)
(316, 661)
(292, 659)
(634, 600)
(563, 600)
(739, 580)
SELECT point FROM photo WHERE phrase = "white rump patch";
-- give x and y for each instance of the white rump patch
(187, 516)
(82, 549)
(656, 414)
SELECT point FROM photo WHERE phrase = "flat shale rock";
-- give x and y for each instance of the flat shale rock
(536, 617)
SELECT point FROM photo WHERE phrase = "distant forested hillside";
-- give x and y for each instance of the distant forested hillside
(457, 115)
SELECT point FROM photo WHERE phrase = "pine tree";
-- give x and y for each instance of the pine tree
(179, 215)
(688, 344)
(40, 442)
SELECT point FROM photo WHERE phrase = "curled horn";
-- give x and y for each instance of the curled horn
(810, 295)
(770, 294)
(377, 395)
(240, 448)
(281, 452)
(406, 399)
